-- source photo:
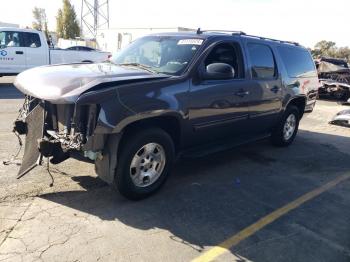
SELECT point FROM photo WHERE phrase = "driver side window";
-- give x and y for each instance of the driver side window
(229, 54)
(10, 39)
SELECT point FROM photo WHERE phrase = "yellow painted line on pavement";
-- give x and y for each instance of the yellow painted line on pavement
(225, 246)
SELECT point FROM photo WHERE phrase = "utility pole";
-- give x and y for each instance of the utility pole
(94, 16)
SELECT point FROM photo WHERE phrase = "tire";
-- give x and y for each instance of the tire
(278, 136)
(134, 182)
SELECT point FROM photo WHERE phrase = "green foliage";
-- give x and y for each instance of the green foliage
(329, 49)
(40, 20)
(67, 23)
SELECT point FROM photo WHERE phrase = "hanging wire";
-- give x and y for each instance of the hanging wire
(13, 158)
(49, 172)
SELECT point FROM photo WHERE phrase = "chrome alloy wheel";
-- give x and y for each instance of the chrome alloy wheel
(289, 127)
(147, 164)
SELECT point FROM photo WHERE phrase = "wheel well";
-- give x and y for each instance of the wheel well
(300, 103)
(169, 124)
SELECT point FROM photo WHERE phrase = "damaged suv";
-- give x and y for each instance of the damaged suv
(163, 96)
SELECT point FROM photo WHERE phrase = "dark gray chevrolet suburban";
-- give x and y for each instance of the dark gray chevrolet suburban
(163, 96)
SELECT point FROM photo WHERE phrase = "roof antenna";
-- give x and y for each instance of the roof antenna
(199, 31)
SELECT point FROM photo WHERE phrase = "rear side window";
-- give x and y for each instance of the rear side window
(263, 62)
(297, 62)
(31, 40)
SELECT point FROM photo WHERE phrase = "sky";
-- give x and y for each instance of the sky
(303, 21)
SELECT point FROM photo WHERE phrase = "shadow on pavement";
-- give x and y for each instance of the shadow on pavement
(329, 98)
(9, 91)
(206, 200)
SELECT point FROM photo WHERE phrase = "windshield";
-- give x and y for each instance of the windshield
(161, 54)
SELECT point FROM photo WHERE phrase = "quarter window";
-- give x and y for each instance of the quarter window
(263, 63)
(297, 61)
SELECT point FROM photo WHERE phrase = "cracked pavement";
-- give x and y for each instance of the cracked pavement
(205, 201)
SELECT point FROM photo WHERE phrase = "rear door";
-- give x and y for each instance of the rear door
(12, 52)
(266, 86)
(36, 51)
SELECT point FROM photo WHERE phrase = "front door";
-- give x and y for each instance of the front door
(219, 108)
(12, 53)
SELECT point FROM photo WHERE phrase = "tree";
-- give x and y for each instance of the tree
(344, 52)
(67, 23)
(40, 20)
(329, 49)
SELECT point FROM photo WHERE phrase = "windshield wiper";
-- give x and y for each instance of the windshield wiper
(142, 66)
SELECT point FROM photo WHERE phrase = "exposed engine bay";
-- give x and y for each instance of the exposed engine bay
(54, 131)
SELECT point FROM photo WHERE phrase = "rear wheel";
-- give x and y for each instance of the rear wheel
(144, 163)
(285, 132)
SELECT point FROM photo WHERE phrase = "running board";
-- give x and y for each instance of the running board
(215, 147)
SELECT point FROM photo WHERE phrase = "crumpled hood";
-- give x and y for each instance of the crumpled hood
(64, 83)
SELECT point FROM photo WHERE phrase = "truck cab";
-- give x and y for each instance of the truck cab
(21, 49)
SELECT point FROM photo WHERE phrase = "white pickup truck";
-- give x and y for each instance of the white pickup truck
(21, 49)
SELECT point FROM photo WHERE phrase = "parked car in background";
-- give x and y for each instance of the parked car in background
(81, 48)
(21, 49)
(163, 96)
(334, 75)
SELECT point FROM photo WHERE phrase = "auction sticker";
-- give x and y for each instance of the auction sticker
(190, 42)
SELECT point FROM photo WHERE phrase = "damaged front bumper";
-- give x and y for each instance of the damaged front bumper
(56, 130)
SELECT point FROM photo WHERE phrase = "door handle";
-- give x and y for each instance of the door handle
(275, 89)
(19, 52)
(242, 93)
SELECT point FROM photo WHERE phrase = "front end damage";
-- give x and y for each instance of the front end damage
(56, 131)
(75, 108)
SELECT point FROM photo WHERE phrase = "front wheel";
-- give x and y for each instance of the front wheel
(144, 163)
(285, 132)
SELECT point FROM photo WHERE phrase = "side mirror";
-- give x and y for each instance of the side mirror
(219, 71)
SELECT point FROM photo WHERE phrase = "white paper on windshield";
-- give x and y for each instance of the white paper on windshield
(190, 42)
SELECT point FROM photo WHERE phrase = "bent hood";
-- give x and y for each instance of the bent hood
(64, 83)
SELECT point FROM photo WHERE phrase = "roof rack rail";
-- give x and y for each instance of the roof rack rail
(200, 31)
(275, 40)
(233, 32)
